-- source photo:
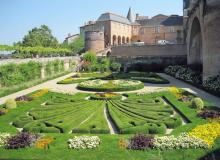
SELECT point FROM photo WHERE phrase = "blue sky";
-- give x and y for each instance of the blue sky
(65, 16)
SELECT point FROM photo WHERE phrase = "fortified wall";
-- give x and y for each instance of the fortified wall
(149, 57)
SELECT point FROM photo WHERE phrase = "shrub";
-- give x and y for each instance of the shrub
(198, 103)
(140, 142)
(115, 67)
(212, 114)
(179, 142)
(90, 57)
(84, 142)
(21, 140)
(10, 104)
(212, 83)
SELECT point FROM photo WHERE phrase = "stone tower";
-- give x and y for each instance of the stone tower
(130, 15)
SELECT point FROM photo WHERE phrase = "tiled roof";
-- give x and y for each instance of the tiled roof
(113, 17)
(173, 20)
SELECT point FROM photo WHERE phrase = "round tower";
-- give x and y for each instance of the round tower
(95, 41)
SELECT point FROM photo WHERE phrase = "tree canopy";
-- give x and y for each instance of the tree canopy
(39, 37)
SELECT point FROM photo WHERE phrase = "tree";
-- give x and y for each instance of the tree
(76, 45)
(41, 37)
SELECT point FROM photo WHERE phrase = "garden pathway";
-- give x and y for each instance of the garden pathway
(71, 88)
(111, 125)
(49, 84)
(180, 84)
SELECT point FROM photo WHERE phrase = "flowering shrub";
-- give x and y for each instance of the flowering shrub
(106, 96)
(21, 140)
(10, 104)
(44, 142)
(181, 141)
(3, 138)
(84, 142)
(140, 142)
(207, 132)
(212, 114)
(185, 74)
(213, 83)
(40, 93)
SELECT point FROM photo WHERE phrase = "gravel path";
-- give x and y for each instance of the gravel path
(149, 88)
(111, 125)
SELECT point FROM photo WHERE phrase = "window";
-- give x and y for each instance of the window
(171, 29)
(157, 29)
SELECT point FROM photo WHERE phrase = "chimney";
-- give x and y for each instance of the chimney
(137, 15)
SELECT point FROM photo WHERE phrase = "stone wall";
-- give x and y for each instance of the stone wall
(203, 40)
(149, 57)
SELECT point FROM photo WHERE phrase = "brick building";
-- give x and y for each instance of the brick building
(119, 30)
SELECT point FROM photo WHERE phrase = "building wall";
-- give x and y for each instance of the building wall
(94, 41)
(149, 57)
(151, 34)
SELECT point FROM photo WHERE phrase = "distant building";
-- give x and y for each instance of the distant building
(70, 38)
(119, 30)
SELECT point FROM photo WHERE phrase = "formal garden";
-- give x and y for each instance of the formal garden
(109, 122)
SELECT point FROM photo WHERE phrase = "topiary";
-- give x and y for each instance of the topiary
(10, 104)
(197, 103)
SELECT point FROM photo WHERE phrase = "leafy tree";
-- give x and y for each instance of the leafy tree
(76, 46)
(41, 37)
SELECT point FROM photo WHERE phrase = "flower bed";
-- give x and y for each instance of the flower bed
(206, 114)
(211, 85)
(40, 93)
(181, 141)
(23, 98)
(207, 132)
(106, 96)
(3, 138)
(110, 85)
(21, 140)
(84, 142)
(44, 142)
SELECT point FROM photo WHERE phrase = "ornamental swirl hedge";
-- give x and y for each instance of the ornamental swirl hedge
(110, 85)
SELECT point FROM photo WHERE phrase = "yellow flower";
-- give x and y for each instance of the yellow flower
(40, 93)
(207, 132)
(43, 142)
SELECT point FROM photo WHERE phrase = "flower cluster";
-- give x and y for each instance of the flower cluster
(207, 132)
(23, 98)
(181, 141)
(40, 93)
(3, 138)
(141, 142)
(175, 91)
(44, 142)
(206, 114)
(84, 142)
(21, 140)
(185, 74)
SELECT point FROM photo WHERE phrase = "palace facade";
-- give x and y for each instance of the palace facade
(120, 30)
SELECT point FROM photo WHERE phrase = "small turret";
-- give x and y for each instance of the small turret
(130, 15)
